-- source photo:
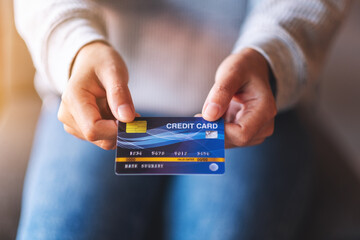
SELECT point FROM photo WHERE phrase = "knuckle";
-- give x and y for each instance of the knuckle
(117, 88)
(260, 141)
(65, 97)
(245, 135)
(238, 142)
(112, 68)
(243, 140)
(274, 111)
(61, 114)
(106, 145)
(71, 131)
(223, 89)
(90, 135)
(67, 129)
(271, 131)
(68, 98)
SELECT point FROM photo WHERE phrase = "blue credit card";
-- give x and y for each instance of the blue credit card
(170, 145)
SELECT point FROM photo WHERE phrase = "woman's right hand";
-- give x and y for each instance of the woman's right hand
(96, 95)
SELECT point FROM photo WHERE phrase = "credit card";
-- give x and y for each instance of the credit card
(170, 145)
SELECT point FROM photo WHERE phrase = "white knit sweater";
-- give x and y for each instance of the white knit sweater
(173, 47)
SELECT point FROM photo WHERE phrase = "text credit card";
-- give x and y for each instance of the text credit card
(170, 145)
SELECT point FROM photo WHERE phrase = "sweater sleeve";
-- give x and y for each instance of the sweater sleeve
(54, 31)
(293, 36)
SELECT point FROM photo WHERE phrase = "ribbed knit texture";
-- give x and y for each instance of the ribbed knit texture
(173, 47)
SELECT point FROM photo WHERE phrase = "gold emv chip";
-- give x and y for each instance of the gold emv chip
(136, 127)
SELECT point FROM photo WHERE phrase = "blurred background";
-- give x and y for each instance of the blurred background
(333, 119)
(19, 107)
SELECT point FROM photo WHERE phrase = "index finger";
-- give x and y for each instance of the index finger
(249, 122)
(87, 115)
(228, 80)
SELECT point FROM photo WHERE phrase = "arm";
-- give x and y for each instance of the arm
(66, 39)
(54, 32)
(292, 37)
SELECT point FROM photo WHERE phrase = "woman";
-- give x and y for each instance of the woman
(85, 51)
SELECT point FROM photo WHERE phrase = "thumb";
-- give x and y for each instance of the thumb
(114, 80)
(227, 83)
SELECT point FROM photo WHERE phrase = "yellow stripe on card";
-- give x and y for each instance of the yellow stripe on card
(168, 159)
(136, 127)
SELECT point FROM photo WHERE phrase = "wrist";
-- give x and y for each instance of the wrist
(254, 64)
(88, 49)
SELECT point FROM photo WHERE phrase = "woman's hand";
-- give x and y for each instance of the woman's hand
(242, 95)
(96, 95)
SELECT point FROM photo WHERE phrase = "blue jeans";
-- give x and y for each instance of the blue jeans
(71, 191)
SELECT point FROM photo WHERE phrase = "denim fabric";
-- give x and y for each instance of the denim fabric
(71, 192)
(264, 193)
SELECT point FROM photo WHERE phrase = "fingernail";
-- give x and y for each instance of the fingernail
(212, 110)
(125, 112)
